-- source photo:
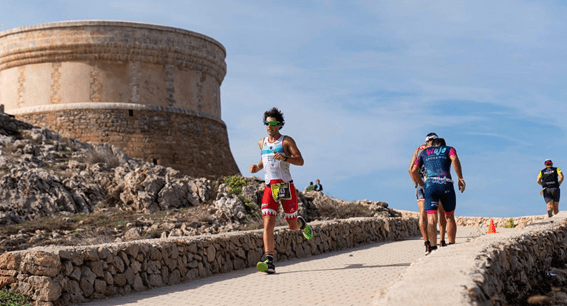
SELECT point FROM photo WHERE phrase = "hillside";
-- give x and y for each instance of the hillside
(58, 190)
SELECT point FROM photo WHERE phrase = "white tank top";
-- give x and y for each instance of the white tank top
(275, 169)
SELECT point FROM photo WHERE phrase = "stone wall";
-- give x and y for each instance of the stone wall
(66, 275)
(484, 222)
(188, 141)
(510, 270)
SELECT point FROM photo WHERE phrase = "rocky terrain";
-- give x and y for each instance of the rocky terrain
(58, 190)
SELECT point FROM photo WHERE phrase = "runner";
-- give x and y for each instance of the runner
(438, 187)
(441, 212)
(278, 152)
(419, 190)
(550, 178)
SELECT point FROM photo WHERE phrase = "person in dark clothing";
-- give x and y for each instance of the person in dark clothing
(550, 178)
(318, 186)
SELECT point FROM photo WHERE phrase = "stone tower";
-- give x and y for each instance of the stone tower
(153, 91)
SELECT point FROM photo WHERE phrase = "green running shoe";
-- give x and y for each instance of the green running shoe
(266, 266)
(307, 232)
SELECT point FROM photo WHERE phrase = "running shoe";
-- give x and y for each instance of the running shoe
(427, 248)
(307, 232)
(266, 266)
(443, 244)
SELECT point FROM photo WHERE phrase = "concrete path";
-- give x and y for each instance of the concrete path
(350, 277)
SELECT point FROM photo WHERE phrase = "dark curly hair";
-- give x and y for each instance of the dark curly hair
(275, 113)
(439, 142)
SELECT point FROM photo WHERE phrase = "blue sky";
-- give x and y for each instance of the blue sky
(362, 82)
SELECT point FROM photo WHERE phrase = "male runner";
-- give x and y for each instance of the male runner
(441, 212)
(550, 178)
(419, 192)
(278, 152)
(438, 186)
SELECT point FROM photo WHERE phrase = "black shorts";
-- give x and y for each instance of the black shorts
(437, 190)
(551, 194)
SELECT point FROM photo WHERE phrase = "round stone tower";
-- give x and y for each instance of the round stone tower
(153, 91)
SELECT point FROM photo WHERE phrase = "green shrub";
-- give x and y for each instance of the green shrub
(235, 184)
(252, 209)
(510, 224)
(9, 298)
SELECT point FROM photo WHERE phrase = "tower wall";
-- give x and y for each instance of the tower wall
(151, 90)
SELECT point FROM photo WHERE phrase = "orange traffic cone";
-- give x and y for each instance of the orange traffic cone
(491, 228)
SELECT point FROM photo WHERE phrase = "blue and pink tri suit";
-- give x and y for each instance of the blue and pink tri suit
(438, 184)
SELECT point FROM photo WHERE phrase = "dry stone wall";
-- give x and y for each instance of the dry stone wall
(510, 270)
(69, 275)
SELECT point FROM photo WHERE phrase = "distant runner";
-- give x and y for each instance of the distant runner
(278, 152)
(438, 187)
(550, 178)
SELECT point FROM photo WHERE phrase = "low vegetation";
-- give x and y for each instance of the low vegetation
(8, 298)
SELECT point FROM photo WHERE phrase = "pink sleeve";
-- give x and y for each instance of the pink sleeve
(452, 152)
(417, 160)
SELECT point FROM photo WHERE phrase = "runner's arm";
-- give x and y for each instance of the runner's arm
(292, 152)
(457, 166)
(561, 177)
(415, 175)
(539, 179)
(411, 166)
(260, 165)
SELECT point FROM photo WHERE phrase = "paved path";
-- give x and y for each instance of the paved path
(349, 277)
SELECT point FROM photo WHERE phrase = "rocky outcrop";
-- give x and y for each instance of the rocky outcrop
(70, 275)
(44, 174)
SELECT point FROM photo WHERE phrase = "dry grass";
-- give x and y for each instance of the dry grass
(106, 157)
(343, 211)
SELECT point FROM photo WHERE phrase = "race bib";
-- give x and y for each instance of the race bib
(281, 191)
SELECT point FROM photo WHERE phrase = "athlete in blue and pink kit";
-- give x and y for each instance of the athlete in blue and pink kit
(438, 186)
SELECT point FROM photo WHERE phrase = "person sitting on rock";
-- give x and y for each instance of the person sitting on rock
(311, 187)
(318, 186)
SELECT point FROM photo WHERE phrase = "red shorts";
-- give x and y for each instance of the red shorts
(270, 206)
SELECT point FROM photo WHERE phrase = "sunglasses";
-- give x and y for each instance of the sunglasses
(273, 123)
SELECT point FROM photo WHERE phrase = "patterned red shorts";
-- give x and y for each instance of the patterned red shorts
(270, 206)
